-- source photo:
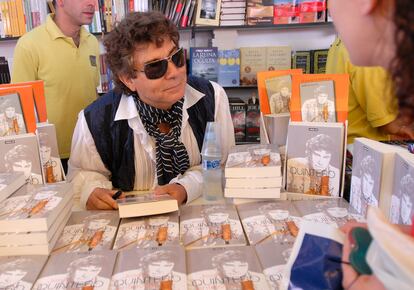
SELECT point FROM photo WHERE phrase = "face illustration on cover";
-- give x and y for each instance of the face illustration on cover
(159, 264)
(85, 270)
(232, 264)
(12, 272)
(407, 199)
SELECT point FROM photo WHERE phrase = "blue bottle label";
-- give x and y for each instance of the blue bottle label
(211, 164)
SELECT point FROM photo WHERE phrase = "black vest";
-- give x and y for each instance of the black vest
(114, 140)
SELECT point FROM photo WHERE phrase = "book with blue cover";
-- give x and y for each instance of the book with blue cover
(229, 68)
(204, 62)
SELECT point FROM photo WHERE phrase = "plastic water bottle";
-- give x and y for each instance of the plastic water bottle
(211, 163)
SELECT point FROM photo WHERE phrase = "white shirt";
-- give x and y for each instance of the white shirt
(87, 171)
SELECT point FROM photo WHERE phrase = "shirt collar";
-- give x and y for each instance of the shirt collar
(127, 108)
(55, 31)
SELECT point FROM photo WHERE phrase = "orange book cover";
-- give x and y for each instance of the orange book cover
(38, 95)
(27, 102)
(309, 90)
(261, 85)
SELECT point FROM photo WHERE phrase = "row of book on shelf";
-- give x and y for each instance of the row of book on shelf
(239, 67)
(54, 247)
(232, 68)
(20, 16)
(28, 142)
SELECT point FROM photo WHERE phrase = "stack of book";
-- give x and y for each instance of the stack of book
(253, 171)
(32, 219)
(233, 12)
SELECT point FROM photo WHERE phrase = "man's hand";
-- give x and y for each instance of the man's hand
(101, 198)
(176, 190)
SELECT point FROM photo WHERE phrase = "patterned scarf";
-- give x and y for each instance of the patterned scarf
(171, 155)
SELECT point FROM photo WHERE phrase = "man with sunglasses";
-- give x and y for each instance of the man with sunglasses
(147, 134)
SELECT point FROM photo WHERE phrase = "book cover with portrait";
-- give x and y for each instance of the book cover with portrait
(210, 226)
(34, 208)
(275, 222)
(20, 272)
(273, 258)
(315, 158)
(401, 208)
(21, 154)
(49, 153)
(150, 268)
(85, 270)
(318, 101)
(88, 231)
(320, 98)
(275, 90)
(24, 106)
(371, 181)
(150, 231)
(225, 268)
(279, 91)
(333, 211)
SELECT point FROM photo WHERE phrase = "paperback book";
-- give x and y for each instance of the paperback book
(21, 154)
(238, 116)
(83, 270)
(371, 182)
(333, 211)
(401, 208)
(88, 231)
(49, 153)
(314, 164)
(253, 161)
(150, 268)
(273, 258)
(229, 68)
(225, 268)
(145, 232)
(10, 182)
(17, 272)
(210, 226)
(204, 62)
(146, 204)
(270, 222)
(34, 208)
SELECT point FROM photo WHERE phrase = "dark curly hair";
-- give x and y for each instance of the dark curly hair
(135, 29)
(403, 65)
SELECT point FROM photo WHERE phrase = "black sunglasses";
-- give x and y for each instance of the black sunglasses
(157, 68)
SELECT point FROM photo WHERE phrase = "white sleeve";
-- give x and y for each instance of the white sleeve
(192, 179)
(86, 171)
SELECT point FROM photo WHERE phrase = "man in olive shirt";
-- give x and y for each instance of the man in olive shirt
(66, 57)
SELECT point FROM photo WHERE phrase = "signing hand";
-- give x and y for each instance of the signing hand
(101, 198)
(176, 191)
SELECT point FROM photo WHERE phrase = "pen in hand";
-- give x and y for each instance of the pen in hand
(116, 195)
